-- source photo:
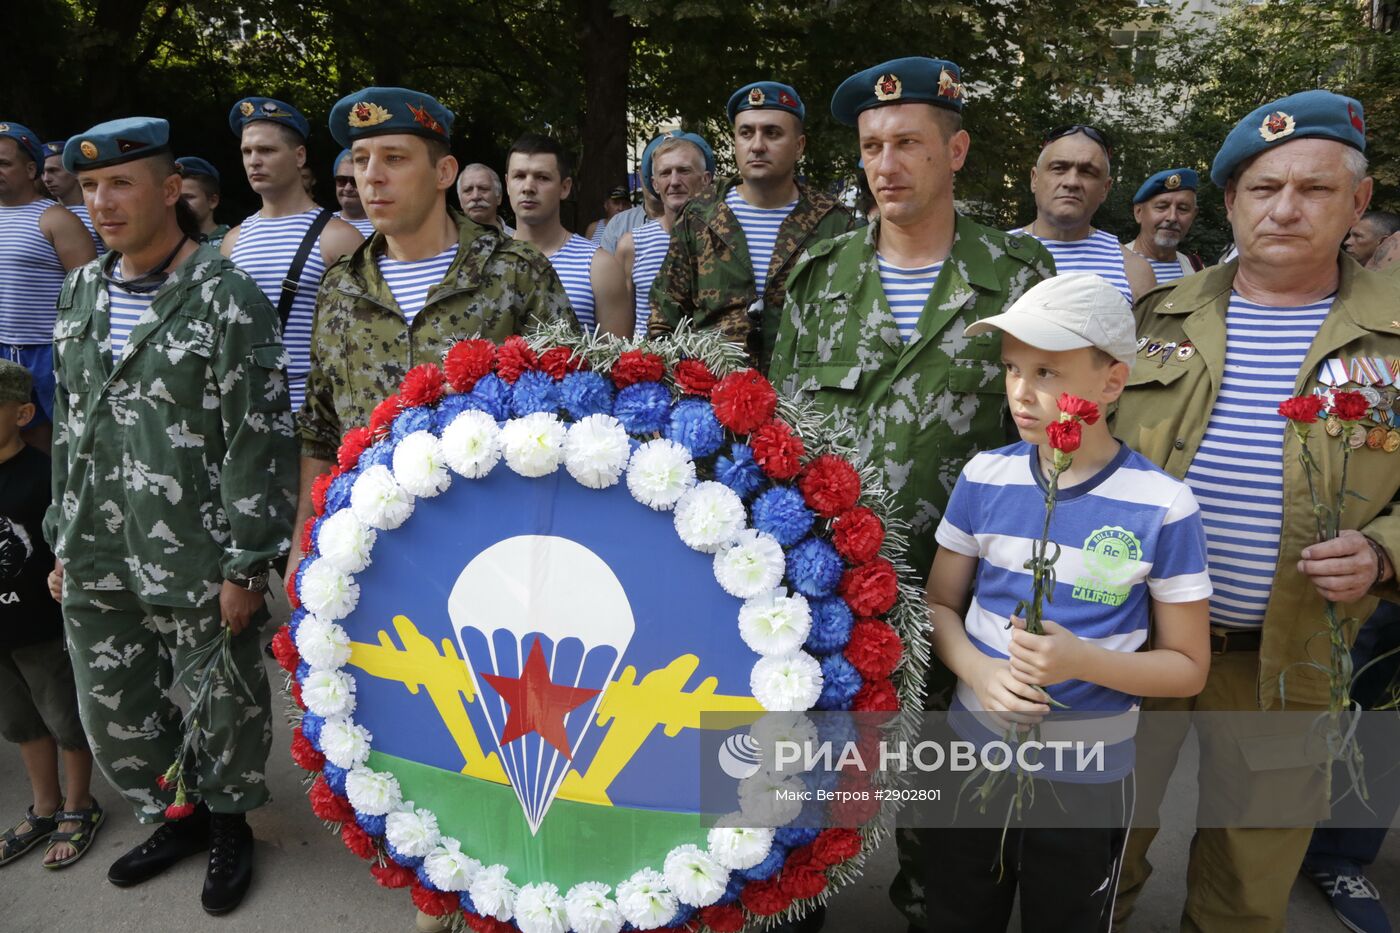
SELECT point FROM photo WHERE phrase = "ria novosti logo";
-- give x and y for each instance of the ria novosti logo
(740, 756)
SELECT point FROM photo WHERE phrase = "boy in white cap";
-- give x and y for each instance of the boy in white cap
(1131, 550)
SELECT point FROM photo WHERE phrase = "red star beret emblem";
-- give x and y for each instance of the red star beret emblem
(1356, 120)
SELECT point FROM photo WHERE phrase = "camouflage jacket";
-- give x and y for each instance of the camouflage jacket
(707, 275)
(174, 468)
(361, 346)
(216, 236)
(918, 411)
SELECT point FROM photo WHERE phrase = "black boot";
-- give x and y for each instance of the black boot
(230, 863)
(171, 842)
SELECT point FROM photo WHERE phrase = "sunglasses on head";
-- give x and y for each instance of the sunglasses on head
(342, 180)
(1096, 135)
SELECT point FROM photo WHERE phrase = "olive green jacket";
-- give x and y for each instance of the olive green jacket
(1165, 409)
(707, 275)
(918, 411)
(174, 468)
(361, 346)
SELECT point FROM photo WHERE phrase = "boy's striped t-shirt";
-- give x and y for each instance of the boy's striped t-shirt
(760, 226)
(907, 291)
(1237, 473)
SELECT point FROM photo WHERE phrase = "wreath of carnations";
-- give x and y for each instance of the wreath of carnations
(759, 481)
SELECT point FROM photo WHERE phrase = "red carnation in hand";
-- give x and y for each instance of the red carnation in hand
(877, 696)
(383, 416)
(870, 588)
(722, 918)
(1349, 406)
(318, 492)
(635, 366)
(830, 485)
(435, 903)
(285, 650)
(777, 450)
(874, 649)
(1082, 409)
(468, 361)
(1063, 436)
(558, 362)
(744, 400)
(423, 385)
(514, 358)
(801, 877)
(765, 898)
(327, 804)
(858, 535)
(392, 875)
(834, 846)
(693, 377)
(178, 811)
(1303, 409)
(355, 442)
(305, 755)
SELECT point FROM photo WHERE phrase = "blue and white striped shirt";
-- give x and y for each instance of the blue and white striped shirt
(31, 275)
(81, 211)
(364, 226)
(1099, 253)
(410, 281)
(574, 263)
(1237, 474)
(125, 310)
(760, 226)
(1166, 271)
(597, 238)
(907, 291)
(650, 242)
(265, 249)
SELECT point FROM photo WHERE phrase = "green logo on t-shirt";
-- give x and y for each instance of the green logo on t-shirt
(1110, 558)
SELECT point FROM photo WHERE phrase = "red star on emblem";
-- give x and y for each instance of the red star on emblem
(887, 85)
(1356, 119)
(536, 703)
(1277, 123)
(361, 111)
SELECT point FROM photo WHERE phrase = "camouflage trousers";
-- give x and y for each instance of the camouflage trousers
(126, 656)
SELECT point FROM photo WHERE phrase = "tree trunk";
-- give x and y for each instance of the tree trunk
(605, 52)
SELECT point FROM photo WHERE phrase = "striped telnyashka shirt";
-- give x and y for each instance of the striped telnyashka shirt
(760, 226)
(31, 275)
(1099, 253)
(650, 242)
(574, 263)
(907, 291)
(409, 282)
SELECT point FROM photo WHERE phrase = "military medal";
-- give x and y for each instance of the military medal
(1333, 427)
(1167, 350)
(1371, 395)
(1375, 437)
(1332, 372)
(1154, 348)
(1185, 351)
(1357, 437)
(1391, 442)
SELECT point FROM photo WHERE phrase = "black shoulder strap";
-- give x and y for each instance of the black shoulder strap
(292, 283)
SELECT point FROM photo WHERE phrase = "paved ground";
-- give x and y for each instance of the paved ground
(307, 882)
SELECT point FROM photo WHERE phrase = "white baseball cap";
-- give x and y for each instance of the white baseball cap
(1069, 312)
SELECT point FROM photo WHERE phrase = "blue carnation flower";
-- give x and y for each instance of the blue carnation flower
(643, 407)
(732, 889)
(586, 393)
(418, 418)
(407, 861)
(374, 825)
(694, 426)
(534, 391)
(840, 683)
(335, 777)
(467, 903)
(311, 728)
(832, 620)
(794, 836)
(450, 407)
(294, 622)
(492, 395)
(682, 916)
(303, 671)
(381, 454)
(782, 512)
(338, 494)
(739, 471)
(769, 866)
(814, 568)
(423, 878)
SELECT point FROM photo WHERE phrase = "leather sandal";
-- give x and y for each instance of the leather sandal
(82, 838)
(14, 843)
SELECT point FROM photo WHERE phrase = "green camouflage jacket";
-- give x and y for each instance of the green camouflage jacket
(707, 275)
(919, 410)
(361, 346)
(216, 236)
(175, 467)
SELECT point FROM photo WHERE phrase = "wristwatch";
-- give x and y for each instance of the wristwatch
(257, 583)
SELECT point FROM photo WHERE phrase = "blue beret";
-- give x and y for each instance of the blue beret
(27, 140)
(115, 142)
(1309, 115)
(344, 154)
(766, 95)
(191, 166)
(54, 148)
(1171, 179)
(652, 146)
(901, 81)
(384, 111)
(252, 109)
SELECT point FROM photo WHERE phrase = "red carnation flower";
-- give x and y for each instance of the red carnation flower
(801, 877)
(296, 694)
(178, 811)
(877, 696)
(559, 362)
(1349, 406)
(423, 385)
(635, 366)
(307, 527)
(765, 898)
(693, 377)
(857, 810)
(830, 485)
(357, 840)
(480, 924)
(318, 492)
(435, 903)
(1303, 409)
(1063, 436)
(383, 416)
(305, 755)
(722, 918)
(163, 782)
(870, 588)
(874, 649)
(858, 534)
(354, 443)
(744, 400)
(392, 875)
(1083, 409)
(468, 361)
(777, 450)
(327, 804)
(834, 846)
(514, 358)
(285, 650)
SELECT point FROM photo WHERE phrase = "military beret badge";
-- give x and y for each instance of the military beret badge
(756, 97)
(246, 108)
(889, 87)
(1276, 126)
(367, 114)
(425, 119)
(1172, 183)
(88, 149)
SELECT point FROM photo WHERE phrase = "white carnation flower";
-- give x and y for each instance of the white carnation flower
(770, 799)
(345, 542)
(378, 500)
(471, 444)
(645, 900)
(751, 564)
(412, 832)
(539, 908)
(373, 793)
(788, 682)
(794, 728)
(709, 515)
(533, 445)
(590, 910)
(740, 847)
(492, 893)
(344, 743)
(447, 868)
(659, 473)
(697, 879)
(328, 693)
(321, 643)
(419, 465)
(326, 592)
(774, 622)
(596, 451)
